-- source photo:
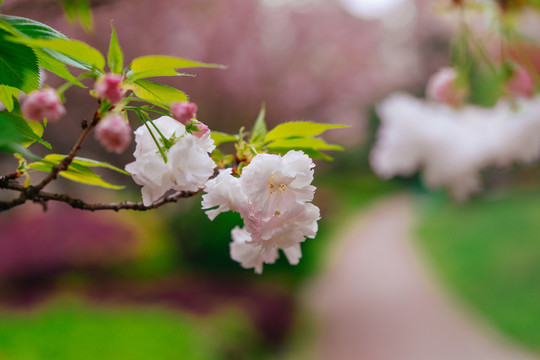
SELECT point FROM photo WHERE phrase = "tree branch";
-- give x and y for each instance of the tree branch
(42, 197)
(64, 164)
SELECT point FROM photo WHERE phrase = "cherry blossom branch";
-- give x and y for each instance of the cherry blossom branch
(42, 197)
(64, 164)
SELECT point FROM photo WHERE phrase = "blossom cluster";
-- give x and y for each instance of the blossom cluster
(187, 166)
(452, 145)
(273, 196)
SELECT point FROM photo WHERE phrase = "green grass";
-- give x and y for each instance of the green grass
(72, 330)
(488, 251)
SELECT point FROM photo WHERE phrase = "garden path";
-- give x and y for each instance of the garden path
(377, 300)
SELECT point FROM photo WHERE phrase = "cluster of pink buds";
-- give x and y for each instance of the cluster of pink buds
(443, 87)
(109, 87)
(114, 133)
(184, 112)
(43, 104)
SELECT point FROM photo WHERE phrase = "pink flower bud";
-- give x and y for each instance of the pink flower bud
(184, 111)
(521, 84)
(43, 104)
(203, 129)
(109, 87)
(114, 133)
(442, 87)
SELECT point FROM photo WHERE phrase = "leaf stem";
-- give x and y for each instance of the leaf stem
(137, 111)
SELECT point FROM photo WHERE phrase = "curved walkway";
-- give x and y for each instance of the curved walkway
(377, 301)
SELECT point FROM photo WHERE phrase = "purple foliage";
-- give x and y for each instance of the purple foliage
(40, 244)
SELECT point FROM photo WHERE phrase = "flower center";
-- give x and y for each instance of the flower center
(276, 184)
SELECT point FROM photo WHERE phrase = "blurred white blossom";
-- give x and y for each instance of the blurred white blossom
(449, 145)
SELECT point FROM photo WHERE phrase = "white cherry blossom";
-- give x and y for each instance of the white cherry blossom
(250, 255)
(273, 197)
(188, 165)
(275, 182)
(258, 243)
(224, 191)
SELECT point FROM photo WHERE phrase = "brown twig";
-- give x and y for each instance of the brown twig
(64, 164)
(42, 197)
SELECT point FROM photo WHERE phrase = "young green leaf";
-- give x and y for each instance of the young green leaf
(37, 128)
(56, 158)
(47, 58)
(16, 148)
(115, 57)
(7, 93)
(77, 171)
(259, 129)
(78, 10)
(30, 28)
(312, 143)
(84, 55)
(15, 129)
(310, 146)
(55, 66)
(220, 137)
(154, 65)
(298, 129)
(314, 154)
(18, 65)
(161, 95)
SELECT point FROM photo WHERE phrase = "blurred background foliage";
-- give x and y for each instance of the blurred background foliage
(157, 284)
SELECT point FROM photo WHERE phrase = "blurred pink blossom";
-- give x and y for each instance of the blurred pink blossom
(109, 87)
(114, 133)
(184, 111)
(521, 84)
(43, 104)
(443, 87)
(203, 129)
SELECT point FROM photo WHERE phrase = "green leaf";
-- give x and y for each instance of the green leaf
(15, 148)
(312, 153)
(37, 128)
(48, 59)
(84, 55)
(7, 93)
(18, 65)
(298, 129)
(115, 57)
(313, 143)
(154, 65)
(220, 137)
(259, 129)
(85, 162)
(161, 95)
(311, 146)
(32, 29)
(77, 171)
(486, 87)
(78, 10)
(55, 66)
(16, 130)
